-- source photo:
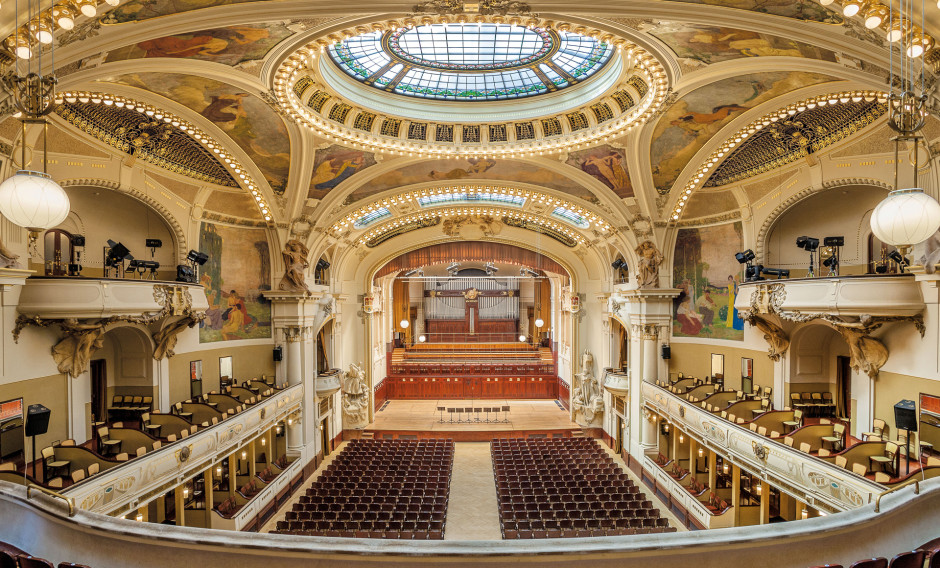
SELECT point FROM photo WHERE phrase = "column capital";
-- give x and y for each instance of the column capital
(296, 333)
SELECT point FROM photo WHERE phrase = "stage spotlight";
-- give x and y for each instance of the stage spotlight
(490, 269)
(832, 263)
(745, 257)
(453, 268)
(808, 244)
(117, 252)
(834, 241)
(78, 240)
(900, 260)
(322, 264)
(185, 273)
(154, 243)
(780, 273)
(132, 266)
(197, 257)
(753, 273)
(617, 264)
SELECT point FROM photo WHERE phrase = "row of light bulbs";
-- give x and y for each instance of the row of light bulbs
(701, 175)
(41, 29)
(239, 173)
(379, 231)
(878, 16)
(410, 196)
(292, 69)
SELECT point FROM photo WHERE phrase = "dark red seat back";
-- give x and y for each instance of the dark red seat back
(871, 563)
(6, 560)
(912, 559)
(33, 562)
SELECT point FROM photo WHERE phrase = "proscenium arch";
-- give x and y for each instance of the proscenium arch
(404, 260)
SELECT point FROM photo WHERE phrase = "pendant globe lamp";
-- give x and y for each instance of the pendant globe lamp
(908, 216)
(30, 198)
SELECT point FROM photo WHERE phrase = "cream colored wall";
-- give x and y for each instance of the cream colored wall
(891, 388)
(51, 392)
(247, 362)
(694, 359)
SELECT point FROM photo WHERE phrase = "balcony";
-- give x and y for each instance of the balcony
(121, 489)
(83, 298)
(821, 484)
(328, 383)
(616, 382)
(852, 296)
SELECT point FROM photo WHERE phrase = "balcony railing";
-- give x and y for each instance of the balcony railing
(122, 488)
(817, 482)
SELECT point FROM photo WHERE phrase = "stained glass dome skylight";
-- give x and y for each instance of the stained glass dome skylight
(469, 62)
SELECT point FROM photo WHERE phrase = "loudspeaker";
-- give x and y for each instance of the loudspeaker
(905, 415)
(277, 354)
(37, 420)
(667, 352)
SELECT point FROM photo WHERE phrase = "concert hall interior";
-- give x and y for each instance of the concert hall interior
(454, 283)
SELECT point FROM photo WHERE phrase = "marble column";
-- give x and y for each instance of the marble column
(294, 338)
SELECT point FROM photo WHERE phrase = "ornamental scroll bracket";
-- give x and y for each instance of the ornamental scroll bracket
(868, 354)
(81, 337)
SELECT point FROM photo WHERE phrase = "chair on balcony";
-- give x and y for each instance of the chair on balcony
(837, 439)
(877, 429)
(796, 422)
(886, 460)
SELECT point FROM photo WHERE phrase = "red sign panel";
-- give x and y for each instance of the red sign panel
(11, 409)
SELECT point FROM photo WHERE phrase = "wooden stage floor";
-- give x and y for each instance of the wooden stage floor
(421, 418)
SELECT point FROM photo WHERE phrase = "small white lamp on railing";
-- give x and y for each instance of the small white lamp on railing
(905, 218)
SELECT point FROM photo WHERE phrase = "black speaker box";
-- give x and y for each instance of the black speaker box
(37, 420)
(905, 415)
(277, 354)
(667, 352)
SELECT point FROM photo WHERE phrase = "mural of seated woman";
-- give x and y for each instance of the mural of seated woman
(235, 316)
(690, 321)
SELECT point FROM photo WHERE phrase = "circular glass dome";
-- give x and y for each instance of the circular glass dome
(470, 62)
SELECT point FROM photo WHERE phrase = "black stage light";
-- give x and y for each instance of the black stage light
(617, 264)
(154, 243)
(78, 240)
(808, 244)
(132, 266)
(150, 265)
(831, 262)
(197, 257)
(834, 242)
(185, 273)
(75, 269)
(896, 257)
(745, 257)
(118, 251)
(322, 264)
(778, 272)
(753, 273)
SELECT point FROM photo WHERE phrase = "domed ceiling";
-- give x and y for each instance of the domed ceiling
(621, 111)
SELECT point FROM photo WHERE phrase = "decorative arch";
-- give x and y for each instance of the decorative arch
(159, 208)
(478, 251)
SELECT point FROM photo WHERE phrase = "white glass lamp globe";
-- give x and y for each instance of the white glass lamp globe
(906, 217)
(422, 338)
(522, 338)
(539, 322)
(403, 324)
(32, 200)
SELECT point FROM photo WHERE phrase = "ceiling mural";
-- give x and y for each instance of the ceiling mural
(699, 45)
(607, 164)
(471, 168)
(230, 45)
(335, 164)
(139, 10)
(798, 9)
(691, 121)
(247, 119)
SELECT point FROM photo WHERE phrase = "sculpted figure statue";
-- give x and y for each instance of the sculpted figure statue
(73, 351)
(867, 354)
(7, 258)
(587, 399)
(774, 335)
(295, 262)
(647, 272)
(355, 397)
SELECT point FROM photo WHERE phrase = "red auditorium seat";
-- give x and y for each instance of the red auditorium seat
(6, 560)
(33, 562)
(912, 559)
(871, 563)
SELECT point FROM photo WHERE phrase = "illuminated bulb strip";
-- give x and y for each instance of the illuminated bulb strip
(41, 29)
(238, 172)
(450, 212)
(711, 162)
(289, 72)
(876, 15)
(411, 196)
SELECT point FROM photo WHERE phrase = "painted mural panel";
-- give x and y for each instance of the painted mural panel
(798, 9)
(247, 119)
(703, 45)
(230, 45)
(335, 164)
(138, 10)
(607, 164)
(692, 120)
(237, 272)
(706, 272)
(458, 169)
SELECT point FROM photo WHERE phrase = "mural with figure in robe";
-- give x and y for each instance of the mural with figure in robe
(236, 274)
(607, 164)
(708, 275)
(335, 164)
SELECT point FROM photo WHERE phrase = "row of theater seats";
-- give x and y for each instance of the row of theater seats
(926, 556)
(567, 487)
(378, 489)
(12, 557)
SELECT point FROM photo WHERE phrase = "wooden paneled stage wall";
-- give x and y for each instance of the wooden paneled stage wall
(470, 387)
(491, 331)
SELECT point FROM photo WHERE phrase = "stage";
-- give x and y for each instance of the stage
(421, 419)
